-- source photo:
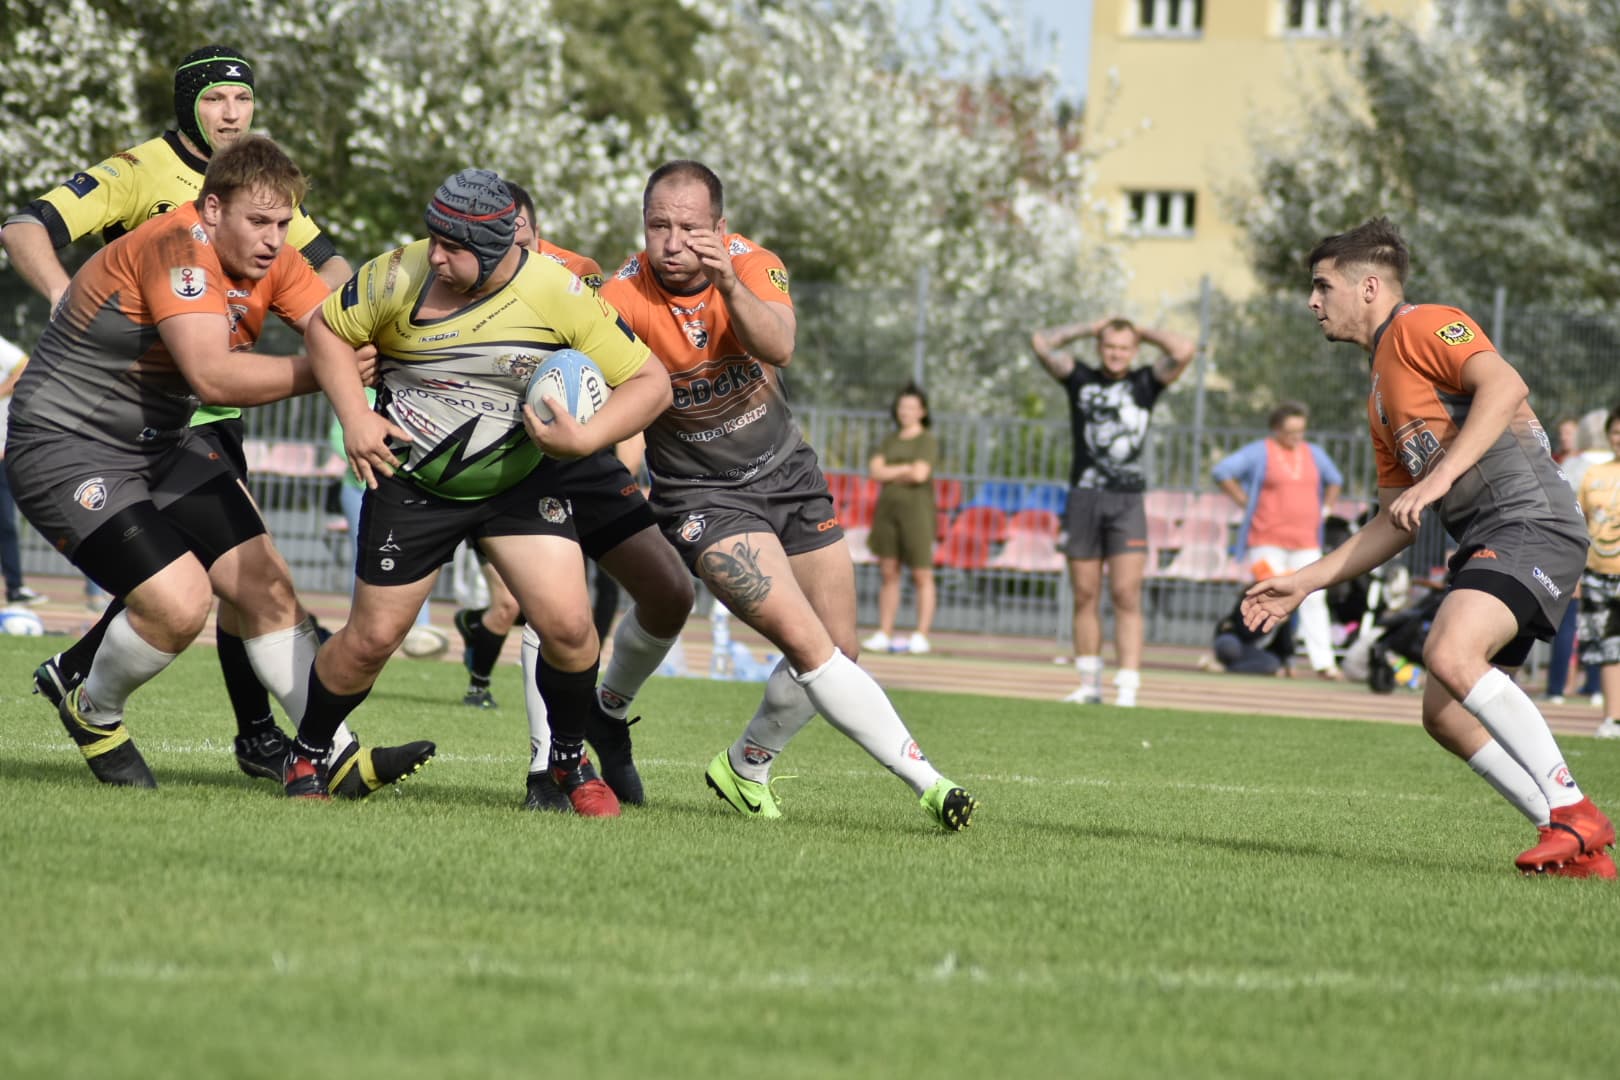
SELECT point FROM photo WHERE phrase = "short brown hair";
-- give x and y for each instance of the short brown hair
(1374, 243)
(685, 169)
(253, 162)
(1287, 410)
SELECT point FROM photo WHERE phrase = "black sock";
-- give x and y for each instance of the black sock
(76, 657)
(606, 603)
(569, 696)
(478, 682)
(486, 647)
(250, 701)
(322, 715)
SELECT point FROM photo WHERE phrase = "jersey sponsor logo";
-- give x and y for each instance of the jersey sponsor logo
(678, 311)
(1417, 447)
(696, 333)
(1483, 553)
(629, 269)
(1456, 333)
(82, 184)
(188, 282)
(779, 278)
(737, 247)
(199, 234)
(388, 544)
(552, 510)
(692, 528)
(350, 295)
(92, 494)
(1378, 401)
(629, 489)
(732, 377)
(160, 208)
(234, 314)
(1546, 582)
(827, 526)
(125, 155)
(576, 287)
(445, 336)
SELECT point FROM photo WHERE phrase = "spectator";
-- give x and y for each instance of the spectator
(1600, 586)
(1285, 486)
(1569, 434)
(903, 523)
(1242, 651)
(12, 360)
(1591, 448)
(1110, 406)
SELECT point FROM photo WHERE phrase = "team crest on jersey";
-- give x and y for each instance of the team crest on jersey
(593, 281)
(737, 247)
(92, 494)
(692, 528)
(188, 282)
(629, 269)
(778, 278)
(82, 184)
(696, 333)
(161, 208)
(198, 233)
(1456, 333)
(517, 365)
(553, 511)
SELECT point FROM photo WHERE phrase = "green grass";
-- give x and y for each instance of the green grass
(1150, 894)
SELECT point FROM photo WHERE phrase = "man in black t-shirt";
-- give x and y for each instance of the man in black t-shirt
(1110, 406)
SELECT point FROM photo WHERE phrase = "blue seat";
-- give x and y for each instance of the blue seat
(1004, 495)
(1053, 497)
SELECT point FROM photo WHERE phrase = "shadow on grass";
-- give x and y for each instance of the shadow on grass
(71, 770)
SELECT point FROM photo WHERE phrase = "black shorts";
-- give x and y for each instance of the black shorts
(407, 533)
(1599, 632)
(607, 502)
(224, 437)
(791, 501)
(1100, 524)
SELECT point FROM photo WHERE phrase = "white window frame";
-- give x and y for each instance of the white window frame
(1169, 18)
(1164, 213)
(1318, 18)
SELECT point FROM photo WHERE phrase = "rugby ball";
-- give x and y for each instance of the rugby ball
(569, 376)
(21, 622)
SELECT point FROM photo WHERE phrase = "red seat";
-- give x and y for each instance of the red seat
(947, 494)
(1043, 522)
(968, 541)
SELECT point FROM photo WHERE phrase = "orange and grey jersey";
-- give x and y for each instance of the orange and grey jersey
(583, 267)
(1416, 406)
(102, 371)
(456, 383)
(730, 421)
(132, 186)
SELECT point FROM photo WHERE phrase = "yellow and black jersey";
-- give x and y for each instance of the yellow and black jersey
(456, 384)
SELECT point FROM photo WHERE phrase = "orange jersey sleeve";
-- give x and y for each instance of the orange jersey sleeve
(583, 267)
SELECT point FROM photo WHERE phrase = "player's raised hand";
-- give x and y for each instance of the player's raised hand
(1269, 602)
(710, 248)
(365, 442)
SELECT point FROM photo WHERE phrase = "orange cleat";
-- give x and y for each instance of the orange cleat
(1596, 865)
(587, 792)
(1574, 831)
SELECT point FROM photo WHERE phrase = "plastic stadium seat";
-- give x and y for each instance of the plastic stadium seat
(968, 541)
(1201, 562)
(1003, 495)
(1031, 543)
(947, 494)
(1171, 505)
(1053, 497)
(856, 538)
(1216, 505)
(1043, 522)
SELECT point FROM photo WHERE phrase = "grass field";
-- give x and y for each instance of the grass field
(1153, 894)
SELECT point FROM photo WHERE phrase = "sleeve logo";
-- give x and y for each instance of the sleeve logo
(1456, 333)
(82, 184)
(779, 278)
(188, 282)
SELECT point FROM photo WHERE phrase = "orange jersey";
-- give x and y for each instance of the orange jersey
(1416, 406)
(729, 422)
(101, 368)
(583, 267)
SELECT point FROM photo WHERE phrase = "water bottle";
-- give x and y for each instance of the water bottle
(721, 665)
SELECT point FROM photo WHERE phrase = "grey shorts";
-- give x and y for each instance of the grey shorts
(1542, 567)
(68, 486)
(791, 501)
(1101, 524)
(1599, 627)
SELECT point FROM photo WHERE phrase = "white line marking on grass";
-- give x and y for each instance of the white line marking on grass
(1245, 981)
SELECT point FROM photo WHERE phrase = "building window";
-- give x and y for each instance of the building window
(1161, 213)
(1170, 17)
(1313, 18)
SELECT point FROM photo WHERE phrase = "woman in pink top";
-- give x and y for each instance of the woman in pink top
(1284, 485)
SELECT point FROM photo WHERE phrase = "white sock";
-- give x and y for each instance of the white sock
(1126, 682)
(534, 704)
(856, 705)
(1090, 669)
(281, 659)
(636, 655)
(782, 714)
(341, 738)
(123, 663)
(1514, 721)
(1508, 777)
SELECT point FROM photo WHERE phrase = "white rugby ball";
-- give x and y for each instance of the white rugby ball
(569, 376)
(21, 622)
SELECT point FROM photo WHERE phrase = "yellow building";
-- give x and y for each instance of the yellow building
(1174, 91)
